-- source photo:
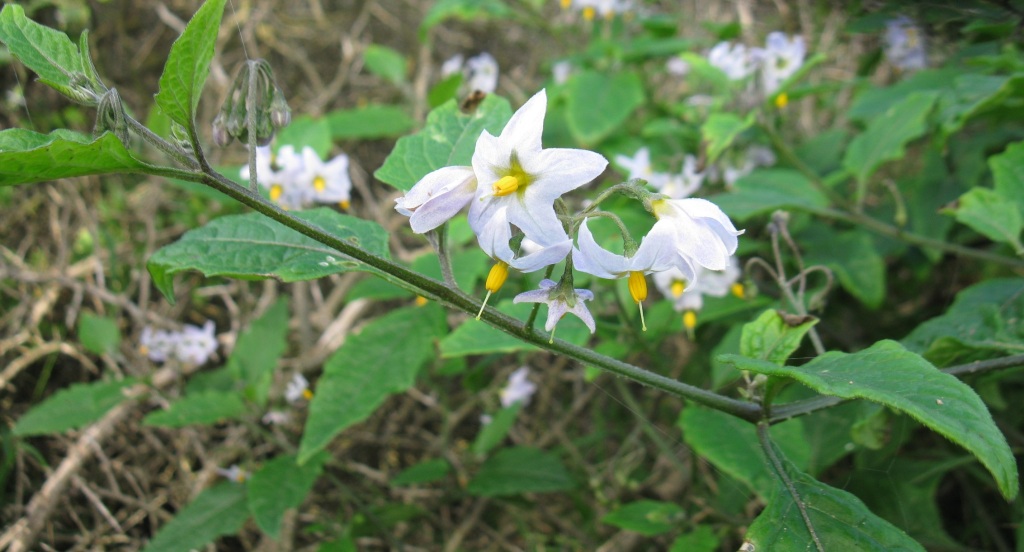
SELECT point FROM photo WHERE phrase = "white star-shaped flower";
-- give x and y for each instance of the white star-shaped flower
(298, 389)
(697, 230)
(780, 58)
(735, 60)
(518, 389)
(330, 181)
(687, 293)
(560, 302)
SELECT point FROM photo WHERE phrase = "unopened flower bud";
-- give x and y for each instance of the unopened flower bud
(221, 137)
(254, 104)
(280, 113)
(110, 116)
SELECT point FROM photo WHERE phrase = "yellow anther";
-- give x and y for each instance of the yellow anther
(678, 287)
(782, 100)
(307, 394)
(638, 289)
(275, 192)
(319, 183)
(143, 350)
(421, 300)
(689, 320)
(241, 477)
(495, 279)
(506, 185)
(588, 13)
(566, 4)
(344, 204)
(737, 290)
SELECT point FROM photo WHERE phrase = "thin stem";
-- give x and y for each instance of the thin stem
(174, 152)
(469, 305)
(438, 238)
(250, 123)
(536, 306)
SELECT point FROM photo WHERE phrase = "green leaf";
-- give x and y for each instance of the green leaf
(279, 486)
(647, 517)
(427, 471)
(721, 129)
(886, 137)
(890, 375)
(306, 131)
(492, 434)
(217, 511)
(1008, 173)
(48, 52)
(774, 336)
(255, 247)
(188, 64)
(835, 519)
(701, 539)
(448, 139)
(520, 470)
(972, 94)
(98, 334)
(72, 408)
(767, 190)
(991, 214)
(876, 101)
(853, 259)
(464, 10)
(982, 323)
(258, 350)
(369, 122)
(599, 102)
(731, 444)
(27, 156)
(385, 62)
(473, 337)
(202, 409)
(367, 369)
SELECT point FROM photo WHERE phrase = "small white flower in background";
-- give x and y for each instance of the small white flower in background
(518, 389)
(276, 417)
(298, 389)
(330, 181)
(482, 73)
(196, 344)
(157, 345)
(639, 166)
(685, 183)
(904, 44)
(560, 71)
(452, 65)
(677, 66)
(234, 473)
(296, 180)
(560, 302)
(688, 294)
(780, 59)
(735, 60)
(754, 157)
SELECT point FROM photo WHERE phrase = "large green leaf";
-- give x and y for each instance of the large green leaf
(989, 213)
(972, 94)
(493, 433)
(74, 407)
(27, 156)
(254, 247)
(887, 135)
(257, 351)
(852, 257)
(520, 470)
(448, 139)
(721, 130)
(48, 52)
(598, 102)
(891, 375)
(766, 190)
(370, 121)
(805, 514)
(875, 101)
(385, 62)
(730, 444)
(217, 511)
(982, 323)
(367, 369)
(774, 336)
(305, 131)
(201, 409)
(1008, 173)
(188, 64)
(279, 486)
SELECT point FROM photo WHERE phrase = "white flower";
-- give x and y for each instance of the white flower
(560, 71)
(276, 417)
(677, 66)
(195, 344)
(780, 59)
(520, 181)
(688, 293)
(482, 73)
(639, 166)
(518, 389)
(560, 302)
(451, 66)
(157, 345)
(297, 389)
(234, 473)
(282, 176)
(329, 181)
(437, 197)
(735, 60)
(685, 183)
(904, 44)
(699, 233)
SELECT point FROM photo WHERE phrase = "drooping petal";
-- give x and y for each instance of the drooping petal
(544, 257)
(493, 236)
(593, 259)
(537, 220)
(437, 197)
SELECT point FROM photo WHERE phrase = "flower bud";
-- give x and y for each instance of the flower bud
(221, 137)
(110, 116)
(255, 89)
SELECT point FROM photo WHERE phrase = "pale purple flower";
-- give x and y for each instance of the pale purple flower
(780, 59)
(904, 44)
(234, 473)
(735, 60)
(518, 389)
(560, 302)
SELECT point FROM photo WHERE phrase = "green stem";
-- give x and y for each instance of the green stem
(176, 153)
(456, 299)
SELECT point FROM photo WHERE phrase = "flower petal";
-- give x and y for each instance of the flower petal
(593, 259)
(546, 256)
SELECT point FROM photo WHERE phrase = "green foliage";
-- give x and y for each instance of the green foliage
(188, 64)
(368, 368)
(647, 517)
(991, 214)
(98, 334)
(27, 156)
(72, 408)
(766, 190)
(48, 52)
(492, 434)
(198, 409)
(599, 102)
(428, 471)
(217, 511)
(448, 138)
(889, 374)
(368, 122)
(253, 247)
(774, 336)
(280, 485)
(386, 63)
(465, 10)
(307, 131)
(721, 130)
(258, 350)
(520, 470)
(852, 257)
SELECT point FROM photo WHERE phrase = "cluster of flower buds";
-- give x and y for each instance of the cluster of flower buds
(904, 44)
(514, 186)
(781, 57)
(254, 100)
(296, 180)
(191, 345)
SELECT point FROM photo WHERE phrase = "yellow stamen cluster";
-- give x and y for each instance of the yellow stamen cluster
(737, 290)
(307, 394)
(566, 4)
(638, 289)
(495, 279)
(275, 192)
(344, 204)
(689, 320)
(782, 100)
(589, 13)
(421, 300)
(319, 183)
(678, 287)
(506, 185)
